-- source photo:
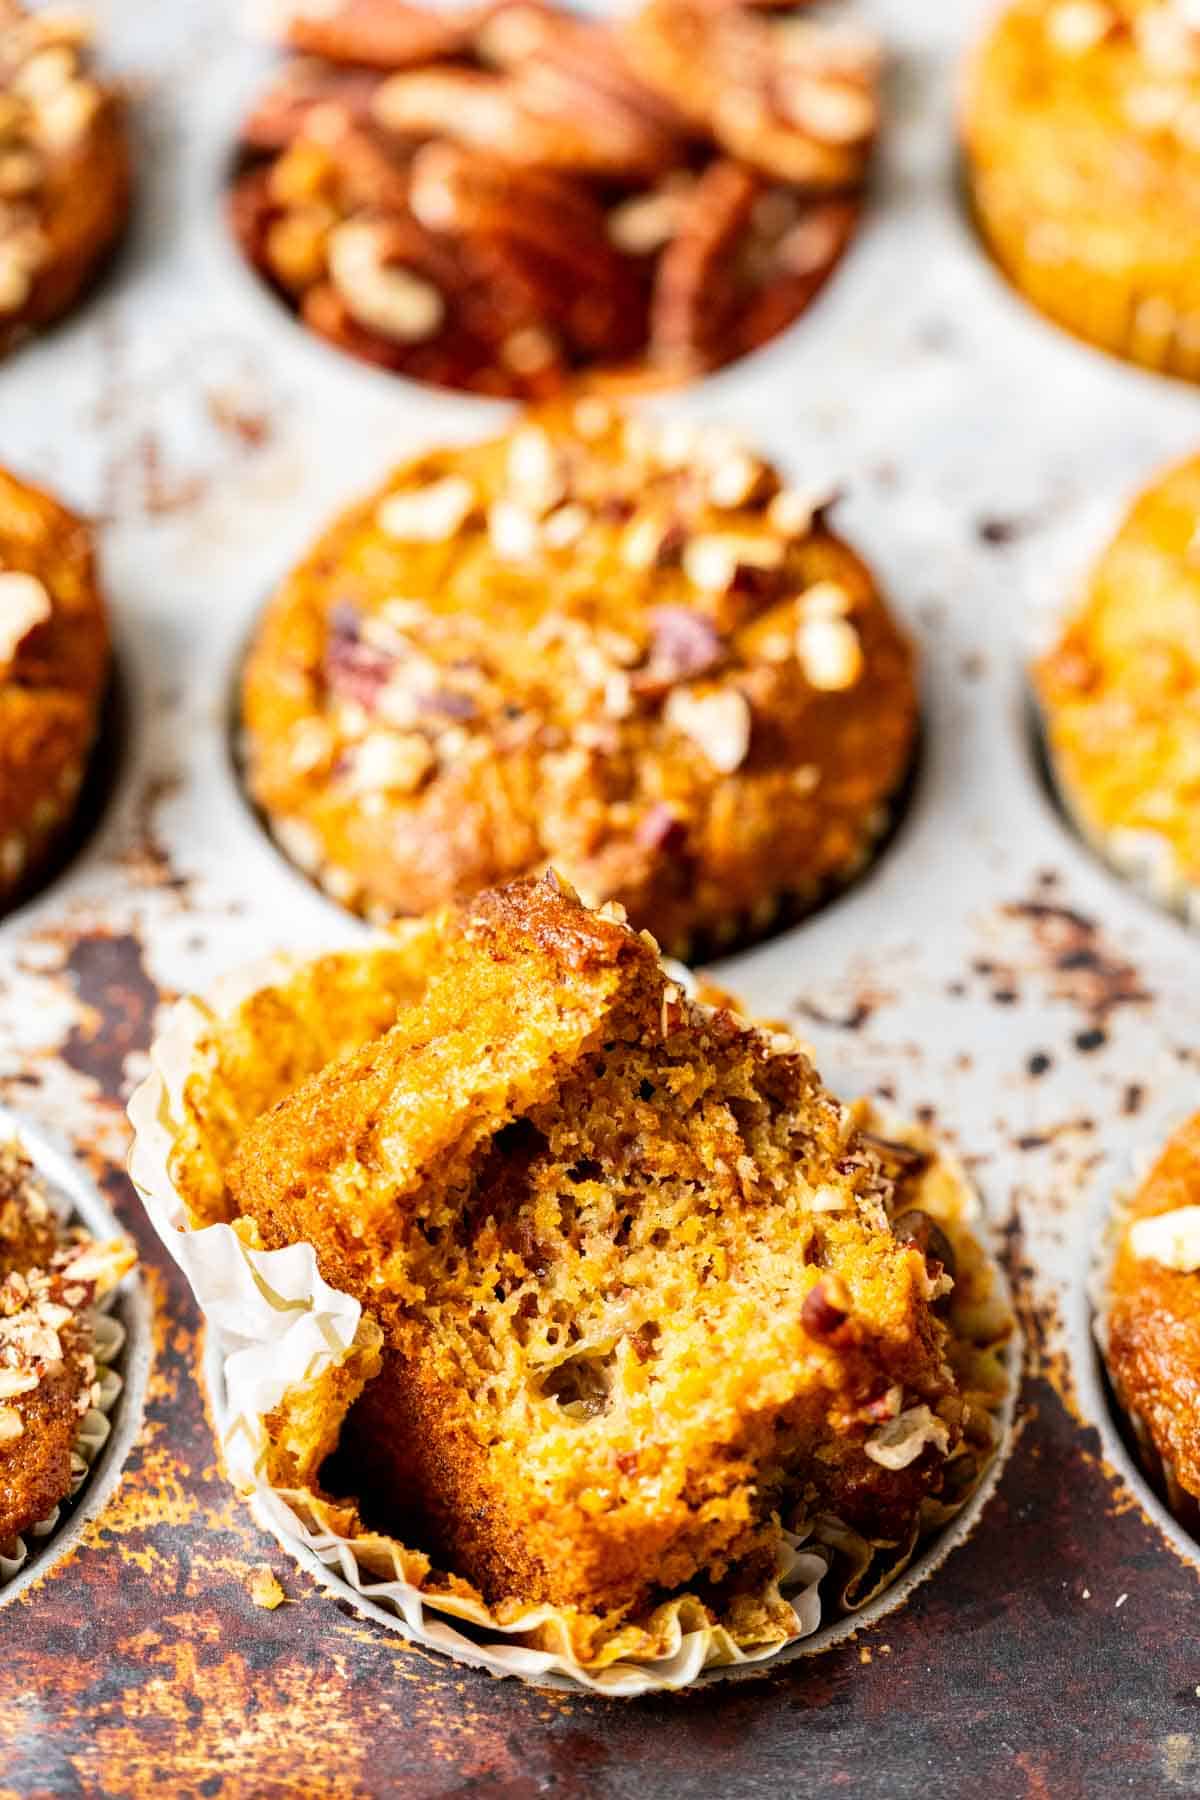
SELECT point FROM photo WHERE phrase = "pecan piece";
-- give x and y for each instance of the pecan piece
(379, 34)
(535, 115)
(696, 299)
(826, 1308)
(684, 643)
(281, 113)
(352, 668)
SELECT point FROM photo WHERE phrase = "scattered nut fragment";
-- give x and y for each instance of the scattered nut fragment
(513, 531)
(391, 761)
(712, 561)
(429, 514)
(535, 472)
(1171, 1239)
(384, 297)
(718, 723)
(826, 1307)
(264, 1589)
(11, 1426)
(904, 1438)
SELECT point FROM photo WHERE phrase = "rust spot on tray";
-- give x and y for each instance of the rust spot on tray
(118, 1001)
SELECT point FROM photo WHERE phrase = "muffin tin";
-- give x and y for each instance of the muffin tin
(989, 974)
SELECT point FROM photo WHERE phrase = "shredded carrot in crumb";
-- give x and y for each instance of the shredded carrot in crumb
(264, 1589)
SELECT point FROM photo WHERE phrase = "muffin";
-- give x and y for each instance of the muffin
(644, 1290)
(1082, 131)
(54, 656)
(620, 647)
(510, 198)
(64, 167)
(1149, 1321)
(1120, 693)
(50, 1278)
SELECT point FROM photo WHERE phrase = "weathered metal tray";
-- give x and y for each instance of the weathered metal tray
(989, 975)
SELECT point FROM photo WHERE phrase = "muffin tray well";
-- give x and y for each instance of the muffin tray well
(988, 975)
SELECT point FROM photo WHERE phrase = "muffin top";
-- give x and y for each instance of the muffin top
(58, 123)
(53, 664)
(619, 647)
(49, 1278)
(1154, 1306)
(1121, 688)
(1090, 110)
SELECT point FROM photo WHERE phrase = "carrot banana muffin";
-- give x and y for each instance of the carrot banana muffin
(64, 166)
(1150, 1320)
(54, 656)
(645, 1293)
(50, 1278)
(1082, 130)
(513, 197)
(617, 646)
(1120, 693)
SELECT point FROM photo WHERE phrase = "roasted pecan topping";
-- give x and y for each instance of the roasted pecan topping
(586, 203)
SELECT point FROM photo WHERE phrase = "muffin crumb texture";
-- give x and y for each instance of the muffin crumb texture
(647, 1297)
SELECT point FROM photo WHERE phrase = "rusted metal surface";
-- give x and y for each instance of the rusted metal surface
(988, 977)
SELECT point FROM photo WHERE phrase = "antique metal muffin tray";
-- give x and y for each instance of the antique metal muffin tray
(988, 975)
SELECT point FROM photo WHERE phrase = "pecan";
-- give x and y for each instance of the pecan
(684, 643)
(354, 669)
(917, 1228)
(695, 300)
(283, 111)
(535, 115)
(378, 34)
(543, 225)
(826, 1308)
(661, 829)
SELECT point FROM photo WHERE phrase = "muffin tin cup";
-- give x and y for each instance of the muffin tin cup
(122, 1352)
(275, 1325)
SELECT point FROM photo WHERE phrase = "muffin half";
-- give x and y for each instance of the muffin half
(65, 178)
(615, 646)
(1081, 122)
(1120, 694)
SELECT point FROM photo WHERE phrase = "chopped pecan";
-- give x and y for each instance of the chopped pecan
(684, 643)
(661, 829)
(354, 669)
(283, 111)
(826, 1308)
(379, 34)
(696, 298)
(917, 1228)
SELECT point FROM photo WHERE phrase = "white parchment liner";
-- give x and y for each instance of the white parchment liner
(275, 1324)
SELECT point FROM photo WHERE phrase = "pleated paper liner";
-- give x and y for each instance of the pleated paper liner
(282, 1343)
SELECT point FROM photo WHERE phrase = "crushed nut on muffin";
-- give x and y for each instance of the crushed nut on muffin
(620, 647)
(50, 1278)
(507, 199)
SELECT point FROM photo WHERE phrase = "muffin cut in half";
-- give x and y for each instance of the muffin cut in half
(640, 1298)
(50, 1278)
(1120, 694)
(1081, 122)
(620, 647)
(1149, 1321)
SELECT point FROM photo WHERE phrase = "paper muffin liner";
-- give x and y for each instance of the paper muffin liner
(94, 1429)
(1157, 1467)
(280, 1337)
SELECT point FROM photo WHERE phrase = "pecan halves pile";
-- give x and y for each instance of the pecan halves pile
(511, 197)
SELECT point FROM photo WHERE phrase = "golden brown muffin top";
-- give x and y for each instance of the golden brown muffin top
(49, 1278)
(620, 647)
(1154, 1305)
(1121, 688)
(1090, 109)
(49, 104)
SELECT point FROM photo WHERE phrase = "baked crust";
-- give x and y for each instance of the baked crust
(1080, 125)
(1120, 690)
(1153, 1321)
(633, 1268)
(54, 654)
(49, 1279)
(65, 171)
(609, 646)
